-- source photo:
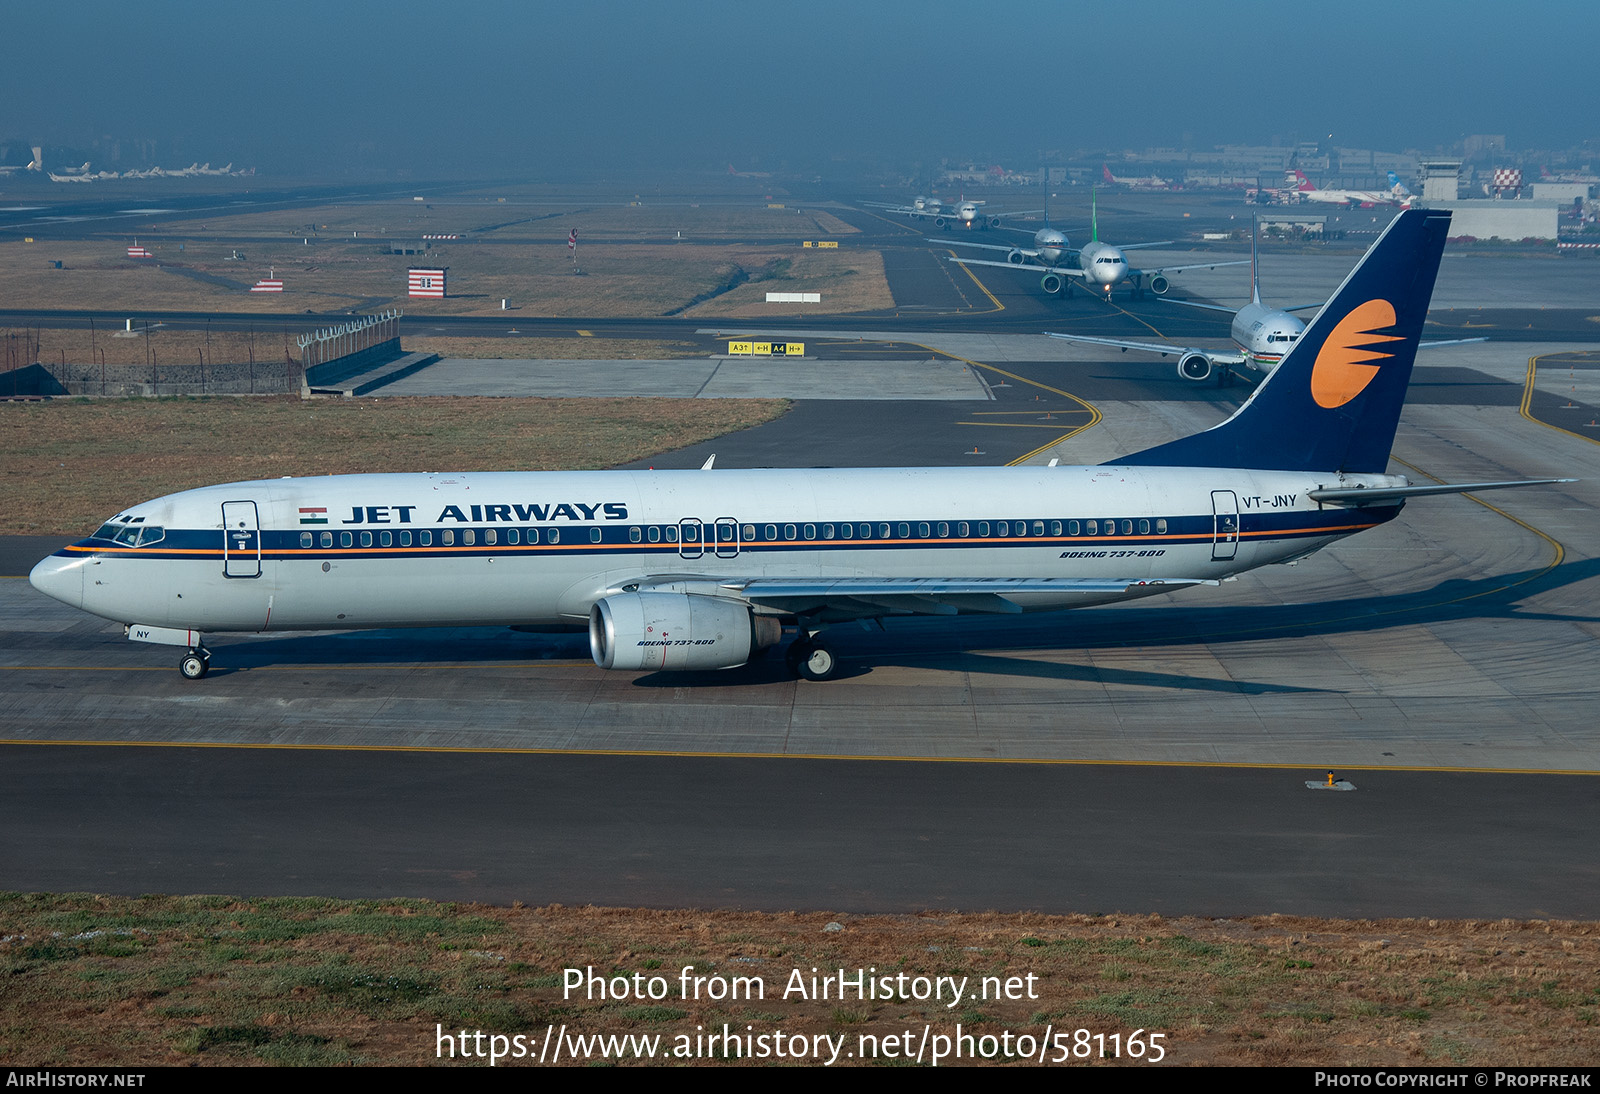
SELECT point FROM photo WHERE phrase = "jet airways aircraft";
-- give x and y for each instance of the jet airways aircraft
(1100, 265)
(698, 570)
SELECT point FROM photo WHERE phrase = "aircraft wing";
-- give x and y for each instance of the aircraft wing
(1065, 271)
(1223, 307)
(1029, 251)
(1449, 342)
(1207, 307)
(1192, 266)
(870, 597)
(1137, 246)
(1163, 348)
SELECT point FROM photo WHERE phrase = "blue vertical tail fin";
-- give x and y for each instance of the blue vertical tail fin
(1333, 403)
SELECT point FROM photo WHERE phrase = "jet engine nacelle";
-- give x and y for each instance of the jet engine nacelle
(1016, 258)
(994, 222)
(940, 222)
(1195, 366)
(654, 632)
(1052, 284)
(1159, 284)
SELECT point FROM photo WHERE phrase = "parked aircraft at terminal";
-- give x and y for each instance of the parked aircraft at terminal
(1100, 266)
(1303, 189)
(697, 570)
(1136, 182)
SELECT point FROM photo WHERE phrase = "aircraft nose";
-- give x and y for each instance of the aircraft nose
(60, 578)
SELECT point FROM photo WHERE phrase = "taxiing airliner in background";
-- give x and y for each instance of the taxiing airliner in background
(698, 570)
(963, 214)
(1261, 335)
(1100, 266)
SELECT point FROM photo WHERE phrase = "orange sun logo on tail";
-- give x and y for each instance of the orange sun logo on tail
(1341, 372)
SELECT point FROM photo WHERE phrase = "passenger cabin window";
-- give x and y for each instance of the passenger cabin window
(447, 537)
(345, 539)
(327, 539)
(512, 537)
(468, 536)
(554, 535)
(635, 535)
(489, 536)
(306, 539)
(654, 534)
(405, 539)
(425, 538)
(366, 539)
(594, 535)
(1161, 526)
(385, 539)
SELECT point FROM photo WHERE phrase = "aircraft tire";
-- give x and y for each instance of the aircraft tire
(194, 666)
(811, 660)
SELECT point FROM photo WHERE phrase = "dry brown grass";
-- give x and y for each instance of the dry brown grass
(618, 279)
(215, 980)
(72, 463)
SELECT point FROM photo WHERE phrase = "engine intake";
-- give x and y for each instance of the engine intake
(1051, 284)
(1194, 366)
(668, 632)
(1159, 284)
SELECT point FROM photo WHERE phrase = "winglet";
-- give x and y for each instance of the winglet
(711, 459)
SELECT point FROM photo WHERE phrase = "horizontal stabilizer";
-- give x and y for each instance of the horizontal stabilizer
(1358, 496)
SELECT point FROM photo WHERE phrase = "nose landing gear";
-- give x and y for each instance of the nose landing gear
(196, 663)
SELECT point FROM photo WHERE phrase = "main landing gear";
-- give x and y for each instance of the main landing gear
(809, 659)
(196, 663)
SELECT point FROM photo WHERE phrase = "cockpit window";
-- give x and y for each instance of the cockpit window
(131, 535)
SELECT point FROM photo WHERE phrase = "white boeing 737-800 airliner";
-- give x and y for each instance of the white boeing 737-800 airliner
(685, 570)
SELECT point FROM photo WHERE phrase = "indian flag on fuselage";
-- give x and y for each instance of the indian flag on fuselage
(313, 514)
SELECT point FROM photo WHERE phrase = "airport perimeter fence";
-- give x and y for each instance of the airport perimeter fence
(324, 357)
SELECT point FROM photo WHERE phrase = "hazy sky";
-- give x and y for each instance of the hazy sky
(477, 85)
